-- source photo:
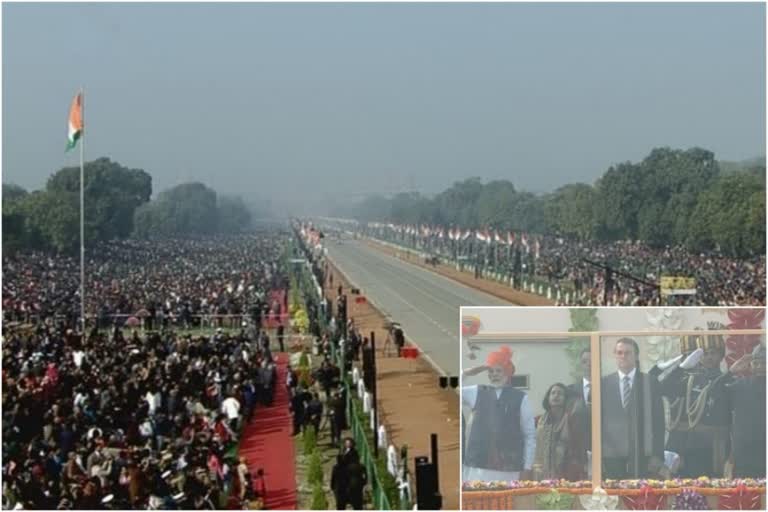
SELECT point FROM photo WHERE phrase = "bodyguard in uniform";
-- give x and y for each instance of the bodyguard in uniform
(700, 407)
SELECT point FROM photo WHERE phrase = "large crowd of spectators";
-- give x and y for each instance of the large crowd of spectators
(720, 280)
(115, 419)
(169, 282)
(562, 264)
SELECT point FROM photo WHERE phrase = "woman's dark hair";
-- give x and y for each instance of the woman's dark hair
(545, 402)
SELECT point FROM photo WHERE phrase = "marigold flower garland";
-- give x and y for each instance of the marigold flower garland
(645, 494)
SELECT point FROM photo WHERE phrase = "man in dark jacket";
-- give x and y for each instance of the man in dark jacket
(633, 418)
(748, 395)
(580, 399)
(356, 480)
(339, 484)
(314, 412)
(337, 411)
(298, 408)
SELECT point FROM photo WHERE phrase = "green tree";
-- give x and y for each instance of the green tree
(13, 192)
(731, 215)
(14, 218)
(233, 215)
(186, 209)
(457, 205)
(496, 204)
(570, 211)
(618, 201)
(408, 207)
(50, 218)
(56, 217)
(112, 194)
(657, 200)
(653, 200)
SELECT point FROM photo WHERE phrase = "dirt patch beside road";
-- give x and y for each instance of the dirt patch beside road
(516, 297)
(411, 403)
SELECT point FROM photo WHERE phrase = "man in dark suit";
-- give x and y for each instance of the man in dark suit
(339, 484)
(580, 399)
(632, 417)
(357, 477)
(582, 390)
(748, 397)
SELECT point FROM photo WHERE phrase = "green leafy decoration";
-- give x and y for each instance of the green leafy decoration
(310, 441)
(319, 501)
(582, 320)
(553, 500)
(315, 472)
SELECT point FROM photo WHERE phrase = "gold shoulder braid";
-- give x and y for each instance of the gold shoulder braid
(676, 421)
(696, 410)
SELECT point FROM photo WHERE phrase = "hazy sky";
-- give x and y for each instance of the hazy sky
(308, 101)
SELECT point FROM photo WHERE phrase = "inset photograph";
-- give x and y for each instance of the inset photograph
(600, 408)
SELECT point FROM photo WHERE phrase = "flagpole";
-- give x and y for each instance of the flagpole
(82, 214)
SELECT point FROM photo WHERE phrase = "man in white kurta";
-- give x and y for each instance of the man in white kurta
(501, 440)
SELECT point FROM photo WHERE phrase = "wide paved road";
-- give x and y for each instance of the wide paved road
(426, 304)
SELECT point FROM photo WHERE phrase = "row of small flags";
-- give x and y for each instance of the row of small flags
(488, 236)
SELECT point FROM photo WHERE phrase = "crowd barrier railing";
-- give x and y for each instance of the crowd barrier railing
(353, 406)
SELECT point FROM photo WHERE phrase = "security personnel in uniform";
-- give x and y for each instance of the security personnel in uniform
(700, 407)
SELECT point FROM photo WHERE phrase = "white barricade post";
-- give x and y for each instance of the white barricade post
(360, 389)
(373, 422)
(392, 462)
(382, 437)
(366, 402)
(355, 375)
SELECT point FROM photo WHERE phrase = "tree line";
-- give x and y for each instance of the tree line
(671, 197)
(118, 205)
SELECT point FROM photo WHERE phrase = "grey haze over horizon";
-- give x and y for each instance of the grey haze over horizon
(305, 104)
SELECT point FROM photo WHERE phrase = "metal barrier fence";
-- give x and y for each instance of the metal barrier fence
(380, 499)
(354, 409)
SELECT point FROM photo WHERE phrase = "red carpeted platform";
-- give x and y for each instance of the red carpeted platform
(267, 444)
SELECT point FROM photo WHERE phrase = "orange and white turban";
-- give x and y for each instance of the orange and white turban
(503, 358)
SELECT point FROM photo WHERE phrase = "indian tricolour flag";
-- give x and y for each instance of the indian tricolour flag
(75, 121)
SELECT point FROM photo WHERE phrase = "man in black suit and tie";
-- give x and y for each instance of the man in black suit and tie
(633, 418)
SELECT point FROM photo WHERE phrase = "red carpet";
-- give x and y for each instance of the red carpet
(267, 444)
